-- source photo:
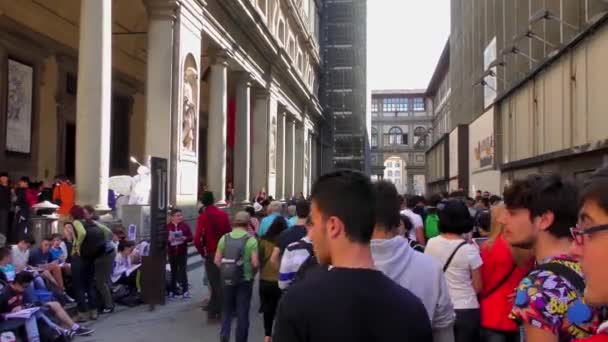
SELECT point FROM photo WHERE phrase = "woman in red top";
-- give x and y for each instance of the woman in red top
(503, 268)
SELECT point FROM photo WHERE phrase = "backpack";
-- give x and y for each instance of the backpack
(231, 264)
(94, 244)
(431, 225)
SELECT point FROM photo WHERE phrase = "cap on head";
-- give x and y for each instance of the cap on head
(241, 218)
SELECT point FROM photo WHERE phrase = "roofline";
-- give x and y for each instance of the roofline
(399, 92)
(440, 70)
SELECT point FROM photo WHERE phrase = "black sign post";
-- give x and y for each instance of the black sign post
(153, 266)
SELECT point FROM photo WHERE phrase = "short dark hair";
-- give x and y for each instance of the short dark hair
(546, 193)
(250, 210)
(22, 278)
(56, 236)
(407, 223)
(455, 218)
(347, 194)
(387, 205)
(302, 209)
(29, 239)
(61, 178)
(596, 189)
(208, 198)
(124, 244)
(411, 201)
(495, 199)
(4, 174)
(484, 220)
(25, 179)
(265, 203)
(47, 238)
(435, 200)
(5, 251)
(175, 211)
(485, 201)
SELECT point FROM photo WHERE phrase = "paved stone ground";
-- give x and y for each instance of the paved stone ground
(179, 320)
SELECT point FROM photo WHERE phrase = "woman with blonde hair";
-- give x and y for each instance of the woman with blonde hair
(503, 268)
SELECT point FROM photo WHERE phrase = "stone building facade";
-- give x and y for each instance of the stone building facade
(401, 124)
(225, 90)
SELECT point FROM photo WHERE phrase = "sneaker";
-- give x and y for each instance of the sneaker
(171, 295)
(186, 295)
(68, 299)
(82, 331)
(94, 315)
(69, 334)
(106, 311)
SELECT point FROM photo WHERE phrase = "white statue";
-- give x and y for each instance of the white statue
(136, 189)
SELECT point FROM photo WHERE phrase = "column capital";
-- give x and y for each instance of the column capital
(162, 9)
(244, 78)
(220, 57)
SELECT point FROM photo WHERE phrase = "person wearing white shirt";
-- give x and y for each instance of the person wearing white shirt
(461, 263)
(417, 233)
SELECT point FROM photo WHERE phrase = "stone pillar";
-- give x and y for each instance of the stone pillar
(280, 156)
(290, 153)
(313, 161)
(300, 142)
(93, 103)
(216, 136)
(264, 107)
(242, 157)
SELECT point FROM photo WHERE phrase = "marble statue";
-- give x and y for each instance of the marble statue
(189, 126)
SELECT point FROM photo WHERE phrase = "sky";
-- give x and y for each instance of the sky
(405, 40)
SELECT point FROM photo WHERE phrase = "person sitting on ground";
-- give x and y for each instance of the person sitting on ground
(462, 267)
(352, 301)
(41, 260)
(123, 272)
(415, 271)
(12, 300)
(590, 242)
(549, 302)
(20, 253)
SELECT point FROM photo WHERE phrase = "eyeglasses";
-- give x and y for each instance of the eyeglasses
(578, 234)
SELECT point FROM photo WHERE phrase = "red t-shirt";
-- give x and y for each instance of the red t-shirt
(497, 263)
(213, 223)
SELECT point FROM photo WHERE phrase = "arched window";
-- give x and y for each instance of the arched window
(374, 137)
(420, 136)
(395, 136)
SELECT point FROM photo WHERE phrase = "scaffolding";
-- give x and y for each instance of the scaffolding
(343, 82)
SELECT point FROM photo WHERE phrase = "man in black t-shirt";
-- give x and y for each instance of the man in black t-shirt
(351, 301)
(293, 234)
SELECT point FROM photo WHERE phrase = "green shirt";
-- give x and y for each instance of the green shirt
(251, 246)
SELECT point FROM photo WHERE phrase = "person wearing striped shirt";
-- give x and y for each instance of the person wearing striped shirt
(294, 256)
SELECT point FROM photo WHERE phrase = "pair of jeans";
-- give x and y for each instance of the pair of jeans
(179, 273)
(270, 294)
(237, 301)
(83, 277)
(215, 282)
(490, 335)
(103, 278)
(467, 326)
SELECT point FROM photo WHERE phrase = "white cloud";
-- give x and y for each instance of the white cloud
(405, 40)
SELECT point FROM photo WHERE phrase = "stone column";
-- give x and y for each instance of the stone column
(216, 136)
(290, 153)
(264, 106)
(300, 142)
(242, 150)
(281, 156)
(93, 103)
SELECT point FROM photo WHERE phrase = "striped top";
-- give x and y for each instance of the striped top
(294, 256)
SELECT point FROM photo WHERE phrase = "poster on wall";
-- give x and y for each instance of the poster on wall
(19, 107)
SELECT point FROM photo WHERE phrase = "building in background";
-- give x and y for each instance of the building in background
(343, 88)
(225, 90)
(525, 79)
(401, 126)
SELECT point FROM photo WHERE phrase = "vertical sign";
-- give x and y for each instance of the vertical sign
(153, 266)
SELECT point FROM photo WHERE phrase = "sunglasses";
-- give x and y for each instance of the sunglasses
(578, 234)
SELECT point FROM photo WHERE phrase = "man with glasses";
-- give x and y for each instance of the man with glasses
(590, 242)
(548, 302)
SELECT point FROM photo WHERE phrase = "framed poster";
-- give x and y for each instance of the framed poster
(19, 107)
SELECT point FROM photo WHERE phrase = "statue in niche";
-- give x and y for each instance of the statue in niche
(273, 146)
(189, 110)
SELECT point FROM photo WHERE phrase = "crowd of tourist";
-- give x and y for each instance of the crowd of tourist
(354, 262)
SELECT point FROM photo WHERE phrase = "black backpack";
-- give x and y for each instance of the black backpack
(94, 242)
(231, 264)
